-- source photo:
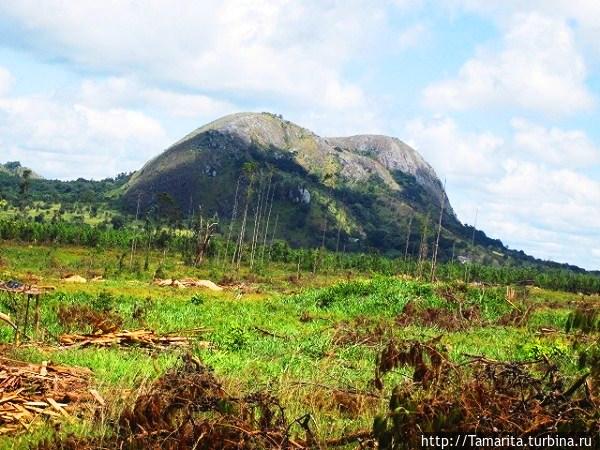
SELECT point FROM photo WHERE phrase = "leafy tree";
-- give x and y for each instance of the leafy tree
(117, 222)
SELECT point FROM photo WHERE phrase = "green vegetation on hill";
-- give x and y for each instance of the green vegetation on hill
(68, 193)
(257, 176)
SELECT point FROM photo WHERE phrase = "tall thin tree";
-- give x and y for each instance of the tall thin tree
(273, 236)
(410, 221)
(266, 232)
(233, 217)
(134, 241)
(437, 239)
(423, 248)
(250, 172)
(469, 262)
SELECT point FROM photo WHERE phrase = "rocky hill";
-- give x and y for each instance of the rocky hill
(359, 192)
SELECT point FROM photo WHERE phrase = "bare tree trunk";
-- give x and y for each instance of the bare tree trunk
(148, 245)
(410, 221)
(240, 246)
(134, 242)
(260, 235)
(319, 257)
(205, 234)
(233, 217)
(469, 262)
(266, 232)
(257, 217)
(437, 239)
(423, 250)
(273, 235)
(240, 243)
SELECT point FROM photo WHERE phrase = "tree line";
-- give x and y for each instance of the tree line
(204, 243)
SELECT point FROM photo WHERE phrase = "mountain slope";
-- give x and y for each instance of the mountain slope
(15, 169)
(359, 192)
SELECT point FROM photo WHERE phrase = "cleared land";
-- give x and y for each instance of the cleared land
(291, 359)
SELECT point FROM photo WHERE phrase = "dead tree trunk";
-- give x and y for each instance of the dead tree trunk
(205, 234)
(437, 239)
(410, 221)
(233, 217)
(266, 233)
(423, 248)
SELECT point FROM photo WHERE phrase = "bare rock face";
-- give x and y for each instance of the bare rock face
(394, 155)
(373, 182)
(300, 195)
(354, 159)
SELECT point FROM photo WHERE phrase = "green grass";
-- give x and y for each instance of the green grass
(281, 336)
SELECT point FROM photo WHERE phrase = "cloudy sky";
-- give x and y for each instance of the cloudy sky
(502, 99)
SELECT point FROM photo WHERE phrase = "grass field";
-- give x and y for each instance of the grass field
(312, 342)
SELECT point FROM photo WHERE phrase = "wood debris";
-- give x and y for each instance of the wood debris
(6, 318)
(16, 287)
(187, 283)
(140, 338)
(30, 392)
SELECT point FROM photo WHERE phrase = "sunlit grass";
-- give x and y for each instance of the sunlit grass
(274, 332)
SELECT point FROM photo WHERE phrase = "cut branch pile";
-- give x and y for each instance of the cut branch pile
(15, 287)
(360, 331)
(29, 392)
(447, 318)
(187, 283)
(139, 338)
(189, 408)
(523, 397)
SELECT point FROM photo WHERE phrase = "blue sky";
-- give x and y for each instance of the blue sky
(501, 97)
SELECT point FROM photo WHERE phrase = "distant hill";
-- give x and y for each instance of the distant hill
(47, 191)
(15, 168)
(359, 192)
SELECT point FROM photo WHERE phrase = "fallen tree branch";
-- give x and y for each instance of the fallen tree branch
(6, 318)
(141, 338)
(348, 439)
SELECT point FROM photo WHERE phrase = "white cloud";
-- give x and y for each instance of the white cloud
(583, 14)
(552, 213)
(413, 36)
(526, 192)
(549, 213)
(126, 91)
(6, 80)
(554, 146)
(407, 4)
(62, 139)
(530, 183)
(286, 57)
(452, 152)
(289, 50)
(537, 68)
(100, 129)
